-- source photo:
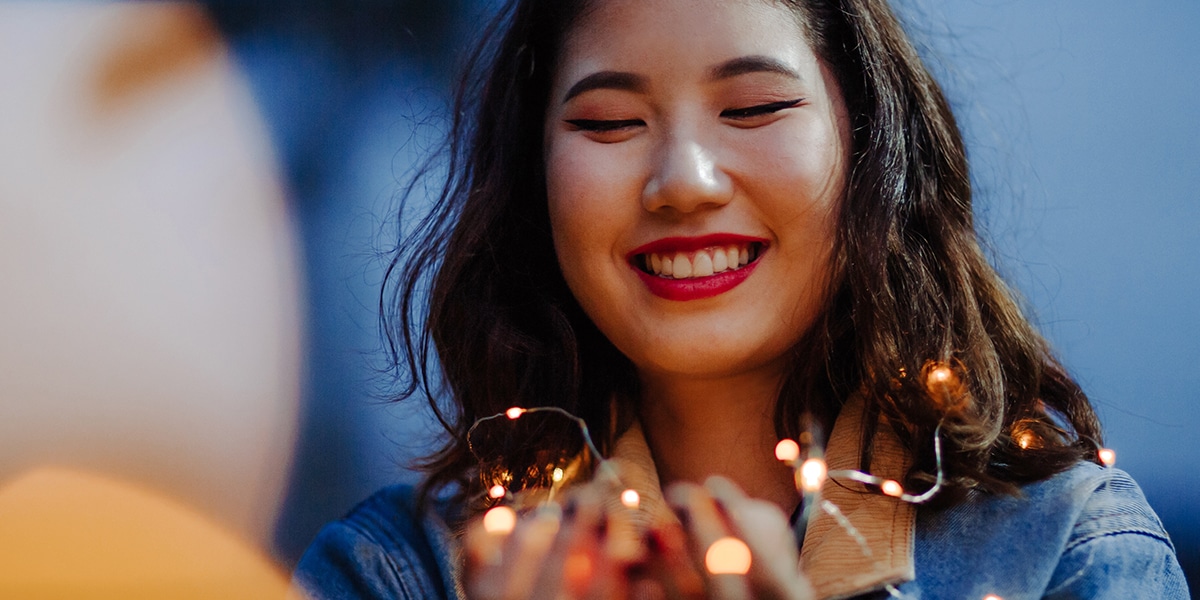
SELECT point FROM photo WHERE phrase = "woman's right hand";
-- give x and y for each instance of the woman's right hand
(551, 553)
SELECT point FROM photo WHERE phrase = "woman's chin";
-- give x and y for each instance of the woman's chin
(702, 360)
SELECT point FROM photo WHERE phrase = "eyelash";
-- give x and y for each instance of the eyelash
(607, 125)
(761, 109)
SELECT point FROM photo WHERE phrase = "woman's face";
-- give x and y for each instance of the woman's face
(696, 152)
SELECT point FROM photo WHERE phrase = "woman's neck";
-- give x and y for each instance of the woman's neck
(701, 427)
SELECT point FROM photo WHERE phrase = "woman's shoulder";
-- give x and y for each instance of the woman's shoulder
(1085, 532)
(386, 547)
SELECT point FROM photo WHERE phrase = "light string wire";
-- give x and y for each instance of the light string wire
(603, 468)
(809, 476)
(888, 485)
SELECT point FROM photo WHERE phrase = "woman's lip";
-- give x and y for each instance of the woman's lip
(695, 288)
(691, 244)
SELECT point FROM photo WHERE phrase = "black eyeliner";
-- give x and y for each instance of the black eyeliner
(761, 109)
(603, 124)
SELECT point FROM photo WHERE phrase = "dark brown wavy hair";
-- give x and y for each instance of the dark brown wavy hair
(477, 279)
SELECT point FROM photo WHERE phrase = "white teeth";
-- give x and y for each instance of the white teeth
(702, 265)
(682, 266)
(720, 260)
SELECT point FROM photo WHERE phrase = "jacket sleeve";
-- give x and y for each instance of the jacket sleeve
(344, 563)
(380, 551)
(1118, 548)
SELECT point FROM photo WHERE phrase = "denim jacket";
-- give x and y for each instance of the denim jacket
(1084, 533)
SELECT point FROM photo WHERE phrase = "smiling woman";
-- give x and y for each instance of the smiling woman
(700, 228)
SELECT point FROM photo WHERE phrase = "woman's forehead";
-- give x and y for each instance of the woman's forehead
(636, 35)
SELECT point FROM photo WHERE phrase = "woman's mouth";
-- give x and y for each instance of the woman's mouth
(699, 263)
(694, 268)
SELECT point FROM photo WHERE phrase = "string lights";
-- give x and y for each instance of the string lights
(729, 555)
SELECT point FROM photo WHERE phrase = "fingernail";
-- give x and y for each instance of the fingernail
(652, 541)
(550, 510)
(637, 570)
(685, 518)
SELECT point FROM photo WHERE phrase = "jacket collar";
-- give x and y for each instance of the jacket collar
(837, 565)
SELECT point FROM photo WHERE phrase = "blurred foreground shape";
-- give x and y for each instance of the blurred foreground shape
(150, 328)
(69, 534)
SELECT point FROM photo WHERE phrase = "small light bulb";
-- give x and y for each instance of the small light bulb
(1107, 456)
(514, 412)
(727, 556)
(557, 475)
(630, 498)
(892, 488)
(500, 520)
(497, 491)
(812, 475)
(577, 569)
(940, 375)
(1025, 439)
(787, 450)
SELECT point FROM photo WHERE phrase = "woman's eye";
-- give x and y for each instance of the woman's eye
(604, 125)
(760, 109)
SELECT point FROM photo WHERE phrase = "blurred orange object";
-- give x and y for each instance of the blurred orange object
(69, 534)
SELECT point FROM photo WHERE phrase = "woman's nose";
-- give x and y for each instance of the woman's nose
(685, 178)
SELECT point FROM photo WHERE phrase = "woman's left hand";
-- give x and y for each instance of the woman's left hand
(721, 510)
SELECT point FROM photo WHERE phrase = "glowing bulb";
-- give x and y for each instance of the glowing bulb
(727, 556)
(812, 474)
(945, 389)
(1107, 456)
(787, 450)
(892, 488)
(514, 412)
(630, 498)
(500, 520)
(1025, 439)
(557, 475)
(940, 375)
(497, 491)
(577, 569)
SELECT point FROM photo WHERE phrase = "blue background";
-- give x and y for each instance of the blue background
(1084, 142)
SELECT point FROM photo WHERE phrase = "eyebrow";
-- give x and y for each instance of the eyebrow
(611, 80)
(751, 64)
(632, 82)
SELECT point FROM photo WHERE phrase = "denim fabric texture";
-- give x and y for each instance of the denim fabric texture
(1084, 533)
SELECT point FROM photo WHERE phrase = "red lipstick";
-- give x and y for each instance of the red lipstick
(695, 288)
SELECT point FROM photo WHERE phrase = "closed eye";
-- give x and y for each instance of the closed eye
(604, 125)
(761, 109)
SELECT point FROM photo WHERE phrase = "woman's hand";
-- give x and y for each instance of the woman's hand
(552, 553)
(721, 510)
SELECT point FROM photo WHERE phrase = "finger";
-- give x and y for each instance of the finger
(775, 570)
(672, 564)
(484, 560)
(529, 546)
(705, 526)
(494, 553)
(570, 565)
